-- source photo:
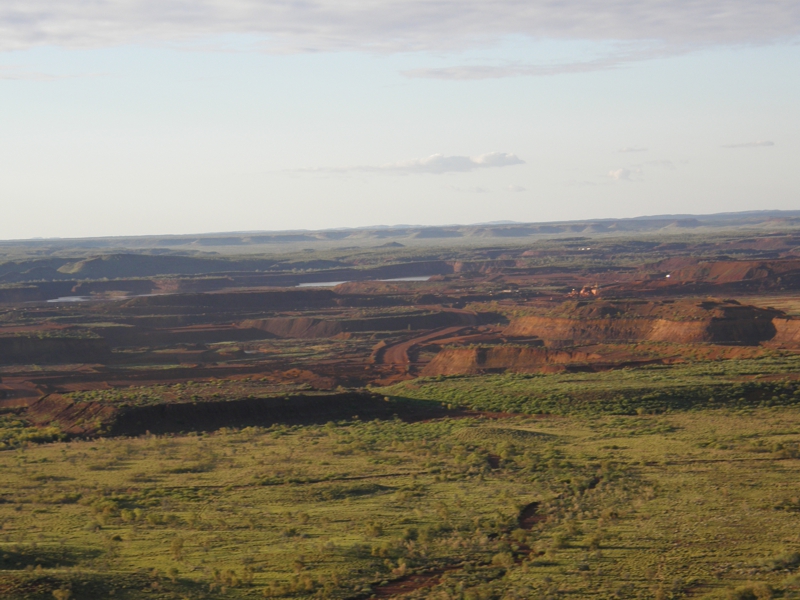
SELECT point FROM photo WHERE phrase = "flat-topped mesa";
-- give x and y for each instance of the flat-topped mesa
(721, 322)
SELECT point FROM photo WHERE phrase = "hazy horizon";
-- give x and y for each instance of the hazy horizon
(736, 218)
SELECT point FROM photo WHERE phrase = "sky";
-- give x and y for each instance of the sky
(136, 117)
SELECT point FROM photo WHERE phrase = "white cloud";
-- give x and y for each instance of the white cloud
(620, 174)
(395, 25)
(633, 149)
(636, 172)
(758, 144)
(515, 188)
(437, 164)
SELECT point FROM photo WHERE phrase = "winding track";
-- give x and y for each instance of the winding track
(398, 353)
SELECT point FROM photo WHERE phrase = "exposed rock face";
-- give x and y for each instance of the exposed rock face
(787, 333)
(711, 322)
(603, 322)
(74, 418)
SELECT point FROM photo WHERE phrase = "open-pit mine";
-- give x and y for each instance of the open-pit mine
(460, 361)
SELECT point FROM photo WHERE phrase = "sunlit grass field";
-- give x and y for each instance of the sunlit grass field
(702, 503)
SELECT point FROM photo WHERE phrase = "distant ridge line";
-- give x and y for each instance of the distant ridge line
(310, 235)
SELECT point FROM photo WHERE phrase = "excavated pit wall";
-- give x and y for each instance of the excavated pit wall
(747, 329)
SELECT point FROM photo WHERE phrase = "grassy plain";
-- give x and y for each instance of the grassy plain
(700, 503)
(762, 381)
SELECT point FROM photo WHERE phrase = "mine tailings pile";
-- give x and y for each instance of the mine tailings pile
(94, 418)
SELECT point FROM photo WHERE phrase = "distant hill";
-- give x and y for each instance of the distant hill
(291, 252)
(245, 242)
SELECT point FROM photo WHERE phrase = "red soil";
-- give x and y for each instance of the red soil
(408, 584)
(787, 333)
(714, 322)
(529, 516)
(398, 353)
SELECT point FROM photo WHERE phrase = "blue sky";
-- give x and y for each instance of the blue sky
(136, 117)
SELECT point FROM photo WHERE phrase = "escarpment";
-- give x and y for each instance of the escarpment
(595, 335)
(709, 322)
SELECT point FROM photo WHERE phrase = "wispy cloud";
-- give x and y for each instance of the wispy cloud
(474, 72)
(435, 164)
(470, 190)
(633, 149)
(623, 54)
(395, 25)
(636, 172)
(14, 73)
(515, 188)
(758, 144)
(664, 164)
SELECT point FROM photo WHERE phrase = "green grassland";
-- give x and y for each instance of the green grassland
(764, 381)
(700, 503)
